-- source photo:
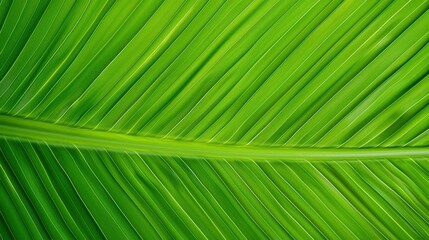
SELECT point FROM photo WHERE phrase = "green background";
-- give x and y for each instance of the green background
(214, 119)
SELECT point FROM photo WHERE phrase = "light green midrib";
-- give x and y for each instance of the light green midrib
(38, 131)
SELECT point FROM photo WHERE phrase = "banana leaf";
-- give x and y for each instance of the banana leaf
(214, 119)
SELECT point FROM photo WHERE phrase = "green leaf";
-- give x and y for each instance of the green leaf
(214, 119)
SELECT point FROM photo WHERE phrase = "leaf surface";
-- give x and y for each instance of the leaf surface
(214, 119)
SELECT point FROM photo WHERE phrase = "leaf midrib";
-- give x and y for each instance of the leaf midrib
(38, 131)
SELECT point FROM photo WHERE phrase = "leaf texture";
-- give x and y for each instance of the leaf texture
(214, 119)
